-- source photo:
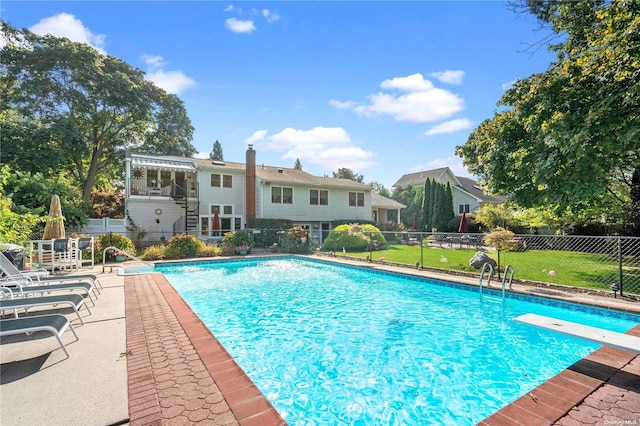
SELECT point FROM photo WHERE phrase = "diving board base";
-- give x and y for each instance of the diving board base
(613, 339)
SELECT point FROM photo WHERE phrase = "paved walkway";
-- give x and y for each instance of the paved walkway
(178, 373)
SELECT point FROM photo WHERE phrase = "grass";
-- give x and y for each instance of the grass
(572, 268)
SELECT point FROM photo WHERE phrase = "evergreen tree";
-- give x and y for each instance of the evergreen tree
(449, 213)
(425, 216)
(297, 165)
(216, 153)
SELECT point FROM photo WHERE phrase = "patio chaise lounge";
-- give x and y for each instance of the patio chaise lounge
(54, 323)
(75, 301)
(12, 273)
(13, 288)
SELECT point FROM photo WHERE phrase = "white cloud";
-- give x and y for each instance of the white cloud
(204, 155)
(256, 136)
(67, 25)
(270, 16)
(449, 77)
(451, 126)
(342, 105)
(172, 81)
(328, 147)
(229, 8)
(454, 163)
(422, 101)
(508, 85)
(239, 26)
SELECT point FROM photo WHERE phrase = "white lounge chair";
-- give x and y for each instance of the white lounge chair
(14, 289)
(13, 274)
(75, 301)
(55, 323)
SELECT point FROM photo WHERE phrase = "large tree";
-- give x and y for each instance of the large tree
(67, 106)
(346, 173)
(569, 138)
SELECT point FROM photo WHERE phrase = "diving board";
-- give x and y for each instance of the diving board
(626, 342)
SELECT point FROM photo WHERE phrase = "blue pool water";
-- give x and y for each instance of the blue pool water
(330, 344)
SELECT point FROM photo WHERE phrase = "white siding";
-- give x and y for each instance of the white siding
(302, 211)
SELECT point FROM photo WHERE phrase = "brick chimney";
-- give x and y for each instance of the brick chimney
(250, 192)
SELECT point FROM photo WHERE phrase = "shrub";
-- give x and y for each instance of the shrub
(153, 253)
(210, 251)
(182, 246)
(296, 240)
(112, 239)
(353, 237)
(236, 241)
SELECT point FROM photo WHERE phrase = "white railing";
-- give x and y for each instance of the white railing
(103, 226)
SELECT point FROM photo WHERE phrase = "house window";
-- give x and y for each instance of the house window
(281, 195)
(463, 208)
(287, 195)
(215, 180)
(227, 210)
(276, 195)
(356, 199)
(152, 179)
(227, 181)
(318, 197)
(165, 178)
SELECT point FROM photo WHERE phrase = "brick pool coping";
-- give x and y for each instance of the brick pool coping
(178, 373)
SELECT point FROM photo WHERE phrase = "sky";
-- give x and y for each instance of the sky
(383, 88)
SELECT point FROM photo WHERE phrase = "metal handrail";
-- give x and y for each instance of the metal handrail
(116, 249)
(504, 279)
(484, 269)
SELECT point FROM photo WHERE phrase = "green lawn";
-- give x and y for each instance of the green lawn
(572, 268)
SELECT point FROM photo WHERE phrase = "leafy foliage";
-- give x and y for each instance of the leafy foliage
(236, 241)
(155, 252)
(568, 138)
(182, 246)
(437, 205)
(345, 173)
(216, 153)
(32, 192)
(112, 239)
(296, 240)
(352, 237)
(86, 108)
(107, 203)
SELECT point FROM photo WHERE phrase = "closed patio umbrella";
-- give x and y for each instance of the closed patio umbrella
(54, 228)
(414, 224)
(215, 225)
(464, 227)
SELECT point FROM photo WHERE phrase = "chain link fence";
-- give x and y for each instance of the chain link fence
(609, 263)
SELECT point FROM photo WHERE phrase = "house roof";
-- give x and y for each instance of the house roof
(300, 177)
(378, 201)
(271, 174)
(463, 184)
(472, 188)
(419, 178)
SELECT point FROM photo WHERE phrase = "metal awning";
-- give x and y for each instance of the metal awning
(157, 164)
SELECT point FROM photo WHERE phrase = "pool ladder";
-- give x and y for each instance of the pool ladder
(508, 271)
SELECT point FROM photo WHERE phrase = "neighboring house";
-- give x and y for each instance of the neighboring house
(166, 195)
(467, 194)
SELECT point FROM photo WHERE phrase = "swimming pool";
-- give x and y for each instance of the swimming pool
(331, 344)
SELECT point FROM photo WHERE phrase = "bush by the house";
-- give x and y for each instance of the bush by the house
(296, 240)
(112, 239)
(353, 237)
(209, 251)
(153, 253)
(235, 242)
(182, 246)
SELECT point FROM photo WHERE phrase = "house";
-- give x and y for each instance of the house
(166, 195)
(467, 194)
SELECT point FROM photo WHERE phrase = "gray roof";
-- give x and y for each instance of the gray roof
(272, 174)
(473, 188)
(420, 177)
(467, 185)
(378, 201)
